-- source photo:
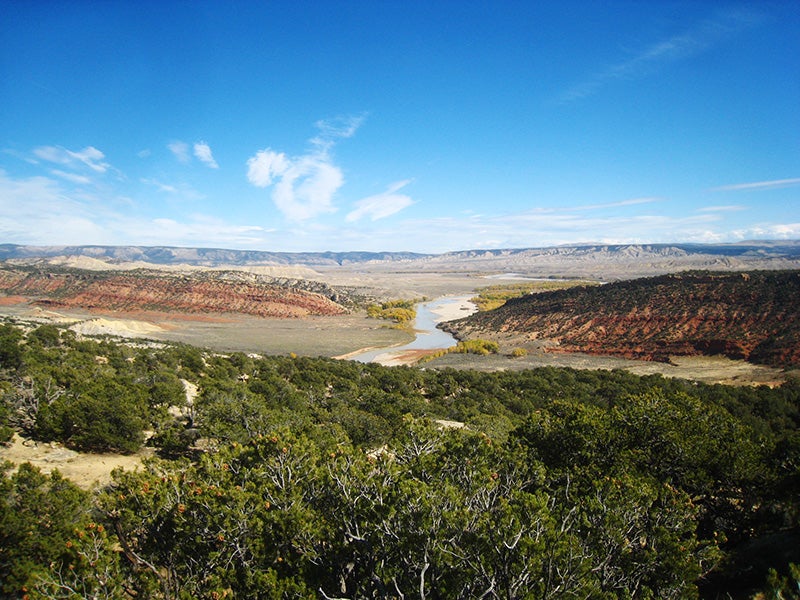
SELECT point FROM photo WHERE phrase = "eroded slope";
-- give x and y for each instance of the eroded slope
(753, 316)
(204, 292)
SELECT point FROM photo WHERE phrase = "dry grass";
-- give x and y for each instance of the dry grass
(85, 470)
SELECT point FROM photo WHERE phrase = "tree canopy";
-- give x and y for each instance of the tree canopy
(305, 477)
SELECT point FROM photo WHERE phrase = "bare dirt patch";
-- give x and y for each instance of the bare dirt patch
(308, 336)
(402, 357)
(705, 369)
(117, 327)
(311, 336)
(85, 470)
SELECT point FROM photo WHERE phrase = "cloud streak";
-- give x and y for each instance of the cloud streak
(331, 130)
(758, 185)
(163, 187)
(682, 46)
(381, 205)
(621, 203)
(90, 157)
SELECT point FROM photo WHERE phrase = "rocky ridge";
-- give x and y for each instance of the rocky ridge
(194, 293)
(747, 315)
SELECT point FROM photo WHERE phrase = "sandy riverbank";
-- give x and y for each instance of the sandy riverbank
(459, 307)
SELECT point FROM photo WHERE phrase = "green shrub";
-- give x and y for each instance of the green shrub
(400, 312)
(478, 346)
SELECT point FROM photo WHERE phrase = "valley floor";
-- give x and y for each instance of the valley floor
(344, 336)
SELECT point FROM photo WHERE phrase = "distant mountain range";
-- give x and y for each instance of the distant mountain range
(599, 261)
(207, 257)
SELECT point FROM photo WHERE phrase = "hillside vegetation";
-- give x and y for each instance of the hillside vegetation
(748, 315)
(292, 477)
(494, 296)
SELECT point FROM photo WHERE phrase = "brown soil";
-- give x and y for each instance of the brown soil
(85, 470)
(705, 369)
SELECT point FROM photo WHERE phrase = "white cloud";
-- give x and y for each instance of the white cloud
(304, 186)
(265, 166)
(49, 210)
(382, 205)
(89, 157)
(180, 150)
(203, 152)
(759, 185)
(92, 158)
(781, 231)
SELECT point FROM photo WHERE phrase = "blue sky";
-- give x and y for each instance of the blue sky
(398, 125)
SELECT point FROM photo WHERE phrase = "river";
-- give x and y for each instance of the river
(428, 337)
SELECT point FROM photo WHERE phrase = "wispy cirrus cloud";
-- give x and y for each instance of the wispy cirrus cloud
(202, 152)
(619, 204)
(181, 191)
(688, 43)
(89, 157)
(304, 186)
(758, 185)
(162, 187)
(331, 130)
(381, 205)
(722, 209)
(180, 150)
(71, 177)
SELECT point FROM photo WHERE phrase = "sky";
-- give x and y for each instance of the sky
(383, 125)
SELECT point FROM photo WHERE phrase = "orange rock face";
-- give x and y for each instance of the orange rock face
(135, 291)
(753, 316)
